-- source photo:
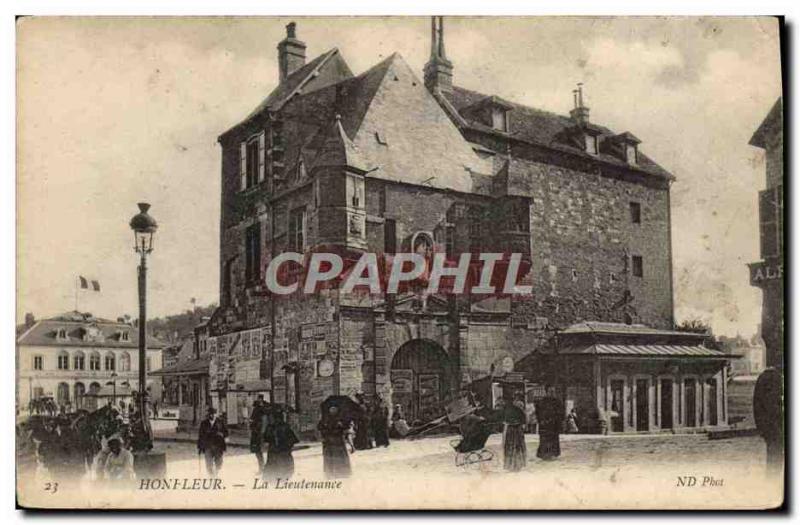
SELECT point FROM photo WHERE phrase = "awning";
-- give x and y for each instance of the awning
(184, 368)
(692, 351)
(110, 391)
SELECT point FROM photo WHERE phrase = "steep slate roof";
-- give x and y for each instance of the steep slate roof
(543, 128)
(44, 333)
(644, 350)
(400, 133)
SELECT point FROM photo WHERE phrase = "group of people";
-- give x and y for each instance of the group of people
(270, 432)
(70, 446)
(370, 428)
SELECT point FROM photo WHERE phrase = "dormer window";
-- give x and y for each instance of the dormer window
(124, 335)
(62, 334)
(630, 153)
(500, 119)
(591, 144)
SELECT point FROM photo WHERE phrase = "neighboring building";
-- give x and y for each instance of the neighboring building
(767, 273)
(751, 352)
(643, 379)
(388, 162)
(186, 379)
(75, 354)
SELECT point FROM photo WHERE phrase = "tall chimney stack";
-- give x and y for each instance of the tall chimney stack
(580, 113)
(438, 70)
(291, 53)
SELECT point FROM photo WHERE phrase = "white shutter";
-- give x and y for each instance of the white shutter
(243, 165)
(262, 140)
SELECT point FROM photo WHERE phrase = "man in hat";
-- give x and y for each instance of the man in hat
(211, 441)
(119, 463)
(258, 427)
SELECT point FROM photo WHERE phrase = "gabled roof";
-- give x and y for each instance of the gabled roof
(401, 132)
(336, 148)
(543, 128)
(79, 329)
(771, 123)
(326, 69)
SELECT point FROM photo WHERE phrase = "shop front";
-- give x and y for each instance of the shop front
(637, 379)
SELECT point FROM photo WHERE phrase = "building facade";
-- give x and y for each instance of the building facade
(768, 273)
(387, 162)
(73, 356)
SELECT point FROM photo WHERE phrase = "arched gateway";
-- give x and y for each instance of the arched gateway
(422, 375)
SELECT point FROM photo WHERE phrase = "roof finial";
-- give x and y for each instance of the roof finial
(437, 37)
(438, 70)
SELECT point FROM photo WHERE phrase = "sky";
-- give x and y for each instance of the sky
(114, 111)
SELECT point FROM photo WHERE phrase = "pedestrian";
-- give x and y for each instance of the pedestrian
(119, 463)
(400, 426)
(281, 439)
(380, 423)
(98, 468)
(335, 460)
(211, 441)
(550, 413)
(362, 439)
(258, 427)
(349, 436)
(572, 422)
(515, 455)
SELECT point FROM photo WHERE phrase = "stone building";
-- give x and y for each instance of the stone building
(767, 273)
(75, 354)
(386, 161)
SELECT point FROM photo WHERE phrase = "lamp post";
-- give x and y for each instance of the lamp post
(143, 226)
(113, 389)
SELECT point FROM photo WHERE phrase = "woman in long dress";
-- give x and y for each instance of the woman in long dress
(515, 455)
(380, 423)
(335, 460)
(550, 414)
(281, 439)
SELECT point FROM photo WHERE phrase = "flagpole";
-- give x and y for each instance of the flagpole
(76, 293)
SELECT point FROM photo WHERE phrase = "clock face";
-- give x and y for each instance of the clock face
(325, 368)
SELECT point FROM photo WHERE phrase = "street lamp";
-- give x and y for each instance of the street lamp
(113, 383)
(143, 226)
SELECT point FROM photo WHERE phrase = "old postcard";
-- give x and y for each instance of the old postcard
(399, 263)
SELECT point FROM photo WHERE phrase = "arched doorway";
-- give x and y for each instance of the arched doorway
(62, 394)
(422, 377)
(91, 401)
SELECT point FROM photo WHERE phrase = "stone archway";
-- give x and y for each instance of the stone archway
(422, 377)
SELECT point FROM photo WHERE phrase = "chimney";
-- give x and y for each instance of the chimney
(30, 320)
(580, 113)
(438, 70)
(291, 53)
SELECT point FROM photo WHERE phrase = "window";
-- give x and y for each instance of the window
(63, 361)
(110, 362)
(94, 361)
(390, 236)
(38, 362)
(770, 212)
(125, 362)
(253, 253)
(79, 361)
(591, 144)
(297, 227)
(227, 281)
(499, 119)
(630, 153)
(475, 217)
(252, 161)
(147, 364)
(124, 336)
(636, 213)
(612, 278)
(637, 266)
(62, 333)
(574, 275)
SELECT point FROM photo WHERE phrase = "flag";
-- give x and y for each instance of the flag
(86, 284)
